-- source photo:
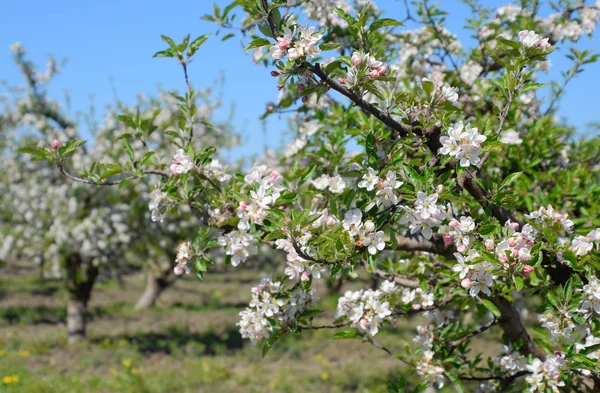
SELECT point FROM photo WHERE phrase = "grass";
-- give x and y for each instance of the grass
(188, 343)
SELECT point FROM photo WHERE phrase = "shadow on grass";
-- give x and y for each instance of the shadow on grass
(177, 340)
(52, 315)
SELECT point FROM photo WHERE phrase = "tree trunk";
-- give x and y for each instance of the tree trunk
(76, 320)
(334, 285)
(80, 282)
(156, 283)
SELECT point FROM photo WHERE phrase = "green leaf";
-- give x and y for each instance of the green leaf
(168, 40)
(164, 53)
(510, 179)
(518, 283)
(457, 382)
(495, 146)
(128, 149)
(258, 43)
(491, 307)
(30, 150)
(413, 175)
(383, 23)
(330, 46)
(196, 44)
(110, 170)
(488, 229)
(344, 334)
(552, 299)
(70, 147)
(371, 147)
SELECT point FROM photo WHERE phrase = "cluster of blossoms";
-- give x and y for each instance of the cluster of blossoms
(511, 361)
(335, 184)
(239, 245)
(363, 64)
(558, 325)
(516, 246)
(182, 163)
(530, 39)
(426, 368)
(510, 137)
(475, 277)
(582, 245)
(590, 340)
(216, 170)
(367, 236)
(306, 45)
(184, 254)
(424, 215)
(325, 219)
(470, 71)
(265, 188)
(559, 28)
(296, 265)
(385, 187)
(545, 375)
(295, 147)
(365, 309)
(550, 218)
(591, 293)
(157, 204)
(463, 143)
(271, 306)
(418, 298)
(445, 92)
(324, 11)
(461, 233)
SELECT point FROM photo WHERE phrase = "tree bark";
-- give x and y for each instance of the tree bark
(80, 282)
(156, 283)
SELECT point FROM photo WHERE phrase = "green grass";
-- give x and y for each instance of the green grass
(188, 343)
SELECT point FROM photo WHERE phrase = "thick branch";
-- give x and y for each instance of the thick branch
(385, 118)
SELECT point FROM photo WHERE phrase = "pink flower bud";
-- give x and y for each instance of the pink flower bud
(283, 45)
(279, 87)
(514, 226)
(466, 283)
(274, 73)
(243, 205)
(527, 269)
(381, 70)
(515, 252)
(341, 81)
(274, 175)
(448, 240)
(454, 223)
(56, 144)
(178, 270)
(503, 260)
(300, 87)
(256, 290)
(418, 291)
(356, 59)
(512, 243)
(305, 276)
(489, 244)
(461, 248)
(416, 306)
(373, 74)
(305, 99)
(270, 107)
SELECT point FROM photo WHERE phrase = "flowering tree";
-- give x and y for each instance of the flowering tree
(73, 230)
(431, 166)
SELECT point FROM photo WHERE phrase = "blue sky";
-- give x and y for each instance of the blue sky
(112, 39)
